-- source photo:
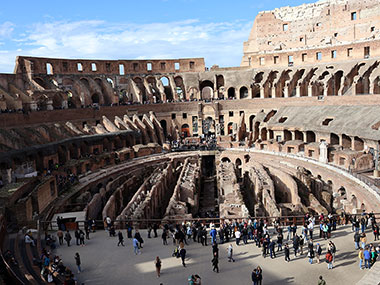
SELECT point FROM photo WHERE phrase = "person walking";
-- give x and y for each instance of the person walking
(215, 262)
(121, 238)
(157, 263)
(78, 262)
(321, 281)
(136, 246)
(182, 254)
(230, 253)
(60, 236)
(68, 238)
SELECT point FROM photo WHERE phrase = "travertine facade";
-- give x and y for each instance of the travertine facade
(325, 31)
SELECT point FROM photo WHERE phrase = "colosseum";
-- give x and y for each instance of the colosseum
(294, 130)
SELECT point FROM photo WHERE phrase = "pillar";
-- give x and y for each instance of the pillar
(262, 93)
(310, 90)
(298, 91)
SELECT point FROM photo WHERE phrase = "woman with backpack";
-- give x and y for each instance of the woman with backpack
(157, 263)
(329, 260)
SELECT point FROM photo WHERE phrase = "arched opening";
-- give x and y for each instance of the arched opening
(231, 93)
(358, 144)
(220, 86)
(270, 115)
(95, 98)
(226, 159)
(251, 118)
(168, 91)
(185, 131)
(243, 92)
(334, 139)
(264, 134)
(180, 88)
(230, 128)
(164, 127)
(207, 93)
(49, 69)
(84, 81)
(110, 81)
(346, 141)
(298, 135)
(287, 135)
(310, 137)
(40, 82)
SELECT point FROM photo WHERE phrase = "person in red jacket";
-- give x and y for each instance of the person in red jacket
(329, 260)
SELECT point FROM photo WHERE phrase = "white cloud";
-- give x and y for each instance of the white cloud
(219, 43)
(6, 29)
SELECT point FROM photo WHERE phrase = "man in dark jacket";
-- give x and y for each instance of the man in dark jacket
(296, 243)
(215, 262)
(357, 240)
(68, 238)
(182, 254)
(121, 238)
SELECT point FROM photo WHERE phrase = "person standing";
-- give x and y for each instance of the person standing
(296, 243)
(60, 236)
(318, 251)
(139, 238)
(259, 274)
(254, 276)
(230, 253)
(164, 237)
(157, 263)
(367, 258)
(121, 238)
(357, 240)
(81, 238)
(237, 236)
(136, 246)
(329, 260)
(215, 262)
(287, 253)
(76, 234)
(78, 262)
(310, 254)
(271, 249)
(68, 238)
(376, 231)
(361, 258)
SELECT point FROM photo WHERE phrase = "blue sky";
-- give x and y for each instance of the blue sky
(129, 29)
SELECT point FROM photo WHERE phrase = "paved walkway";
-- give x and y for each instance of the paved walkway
(105, 263)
